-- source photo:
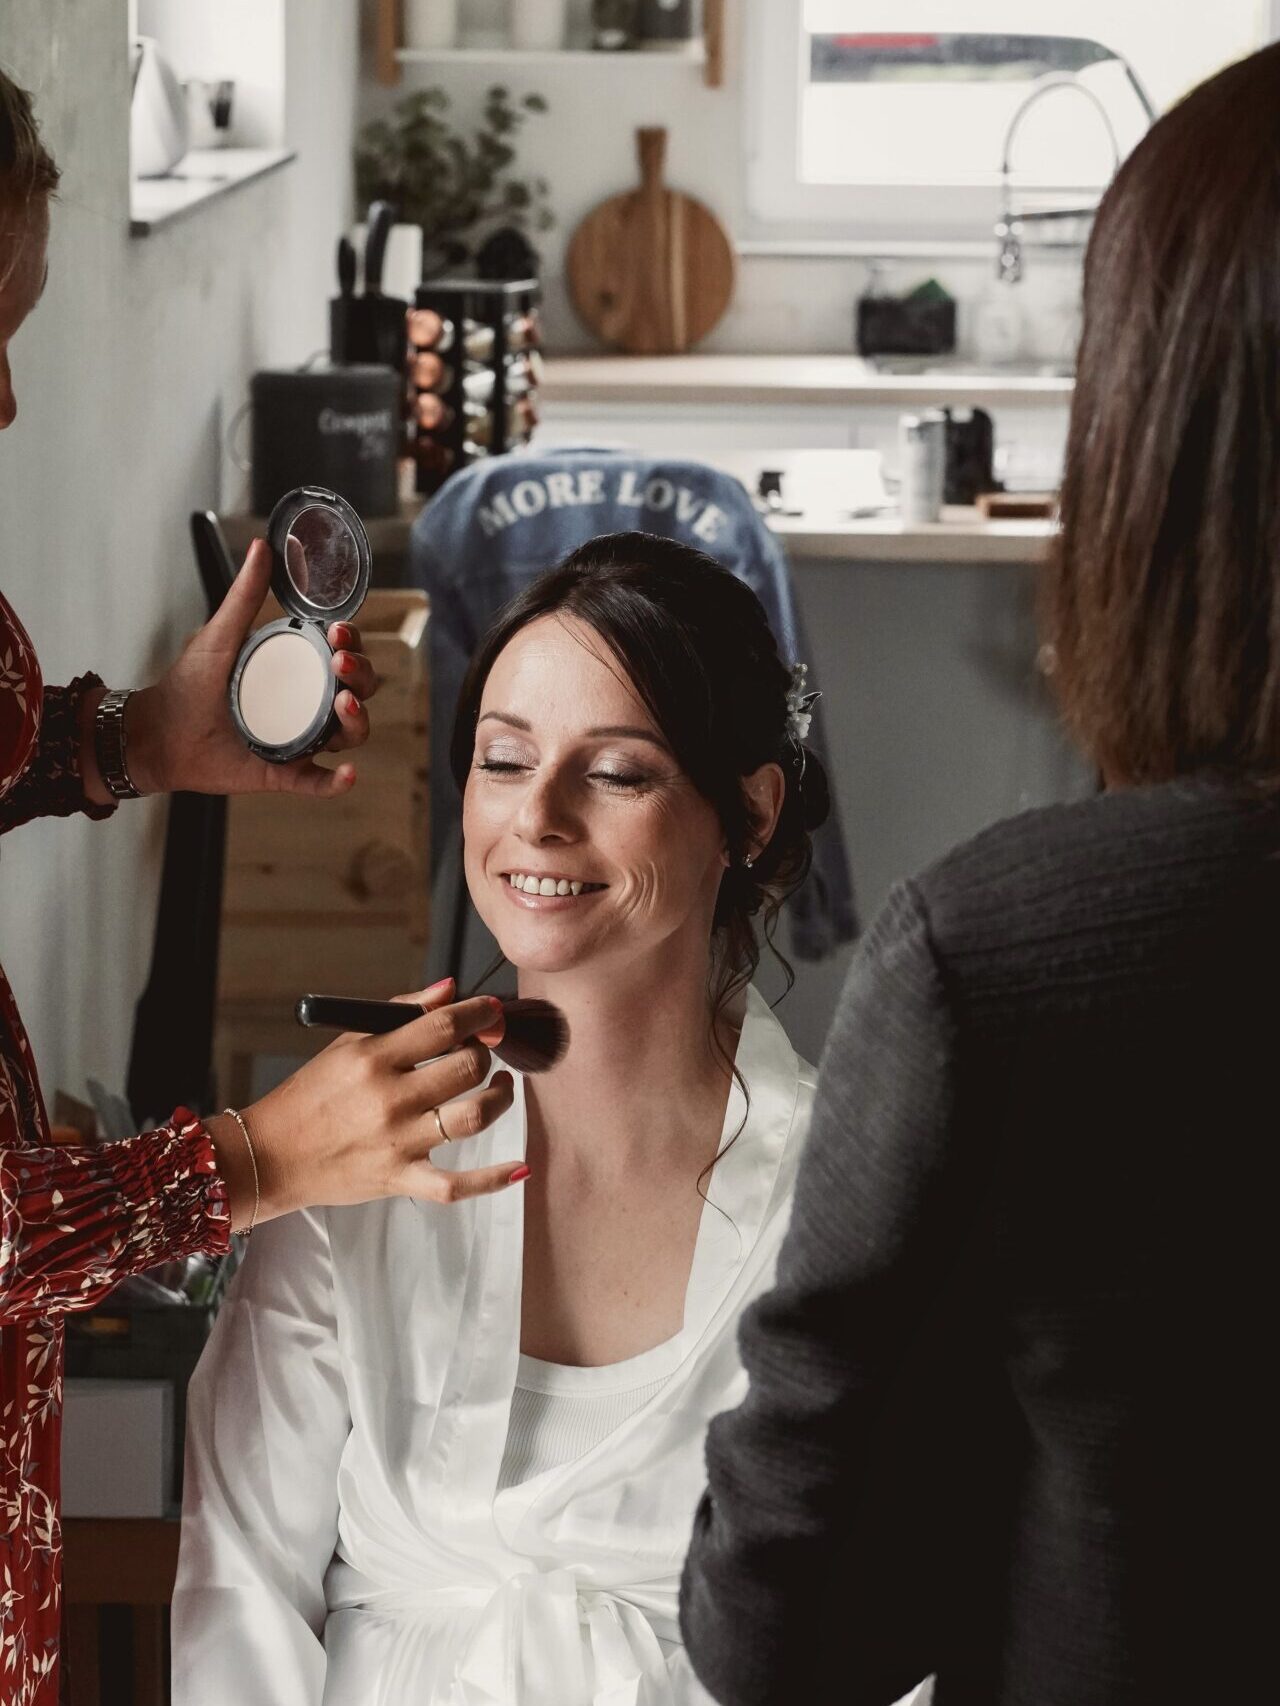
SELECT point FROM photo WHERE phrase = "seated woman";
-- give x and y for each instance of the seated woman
(451, 1453)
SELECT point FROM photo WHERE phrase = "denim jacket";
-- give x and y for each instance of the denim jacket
(496, 526)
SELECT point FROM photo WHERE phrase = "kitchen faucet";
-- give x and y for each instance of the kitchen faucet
(1009, 259)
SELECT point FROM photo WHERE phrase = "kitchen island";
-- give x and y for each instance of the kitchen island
(923, 641)
(696, 380)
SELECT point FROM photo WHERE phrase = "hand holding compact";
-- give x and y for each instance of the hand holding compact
(181, 732)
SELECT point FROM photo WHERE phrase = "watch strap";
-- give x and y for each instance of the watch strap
(109, 745)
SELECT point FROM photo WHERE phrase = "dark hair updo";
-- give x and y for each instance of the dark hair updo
(697, 647)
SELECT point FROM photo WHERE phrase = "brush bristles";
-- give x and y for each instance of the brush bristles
(536, 1035)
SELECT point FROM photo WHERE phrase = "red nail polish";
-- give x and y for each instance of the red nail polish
(439, 988)
(520, 1173)
(347, 664)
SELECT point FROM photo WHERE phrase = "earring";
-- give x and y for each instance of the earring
(749, 861)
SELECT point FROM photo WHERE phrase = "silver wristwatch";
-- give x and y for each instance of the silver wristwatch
(109, 746)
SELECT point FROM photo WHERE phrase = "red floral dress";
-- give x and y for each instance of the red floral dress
(73, 1222)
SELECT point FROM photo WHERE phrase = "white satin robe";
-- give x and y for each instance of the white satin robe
(342, 1541)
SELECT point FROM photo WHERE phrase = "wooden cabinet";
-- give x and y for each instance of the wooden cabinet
(332, 896)
(118, 1579)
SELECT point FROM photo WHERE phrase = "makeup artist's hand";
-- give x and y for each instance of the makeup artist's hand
(179, 733)
(358, 1121)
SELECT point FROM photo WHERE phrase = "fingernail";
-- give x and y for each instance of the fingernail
(439, 988)
(353, 704)
(343, 634)
(494, 1002)
(347, 664)
(520, 1173)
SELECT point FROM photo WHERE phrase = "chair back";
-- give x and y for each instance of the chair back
(496, 526)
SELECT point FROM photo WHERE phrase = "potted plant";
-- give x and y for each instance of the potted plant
(460, 189)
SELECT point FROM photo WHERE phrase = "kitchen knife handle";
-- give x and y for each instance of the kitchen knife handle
(382, 216)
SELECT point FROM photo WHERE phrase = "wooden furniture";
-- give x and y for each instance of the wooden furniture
(120, 1564)
(388, 38)
(651, 270)
(331, 896)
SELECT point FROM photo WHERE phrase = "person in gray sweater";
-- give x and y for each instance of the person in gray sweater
(1011, 1415)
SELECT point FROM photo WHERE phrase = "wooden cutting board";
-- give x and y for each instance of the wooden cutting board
(651, 271)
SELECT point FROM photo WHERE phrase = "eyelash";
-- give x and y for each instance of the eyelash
(616, 780)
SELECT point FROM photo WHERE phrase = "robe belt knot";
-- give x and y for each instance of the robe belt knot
(542, 1638)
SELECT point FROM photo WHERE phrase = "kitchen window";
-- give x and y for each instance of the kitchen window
(885, 121)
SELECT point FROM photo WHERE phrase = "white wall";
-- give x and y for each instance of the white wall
(126, 376)
(586, 148)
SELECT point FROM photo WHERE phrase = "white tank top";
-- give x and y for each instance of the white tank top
(560, 1413)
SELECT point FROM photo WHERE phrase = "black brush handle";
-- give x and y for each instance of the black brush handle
(348, 1013)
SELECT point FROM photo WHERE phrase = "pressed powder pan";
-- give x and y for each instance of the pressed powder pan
(283, 689)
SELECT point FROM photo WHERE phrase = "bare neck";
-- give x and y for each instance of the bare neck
(642, 1075)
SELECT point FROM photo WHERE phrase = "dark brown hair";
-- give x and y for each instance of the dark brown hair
(696, 645)
(27, 169)
(1161, 607)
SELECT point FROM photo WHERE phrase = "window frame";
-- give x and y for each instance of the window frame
(781, 212)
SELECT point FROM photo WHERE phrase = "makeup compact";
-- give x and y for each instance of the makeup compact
(283, 687)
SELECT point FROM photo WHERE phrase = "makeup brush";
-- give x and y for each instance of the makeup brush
(536, 1034)
(535, 1037)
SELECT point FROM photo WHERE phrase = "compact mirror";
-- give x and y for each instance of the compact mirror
(322, 557)
(283, 688)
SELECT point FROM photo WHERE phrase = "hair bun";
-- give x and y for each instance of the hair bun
(814, 791)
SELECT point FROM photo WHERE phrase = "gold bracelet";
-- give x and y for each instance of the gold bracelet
(253, 1162)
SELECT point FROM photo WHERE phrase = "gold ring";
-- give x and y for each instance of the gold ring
(444, 1135)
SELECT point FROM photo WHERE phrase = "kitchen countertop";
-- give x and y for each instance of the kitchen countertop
(792, 379)
(827, 482)
(960, 536)
(824, 531)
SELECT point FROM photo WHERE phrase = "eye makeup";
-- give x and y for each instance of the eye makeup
(282, 690)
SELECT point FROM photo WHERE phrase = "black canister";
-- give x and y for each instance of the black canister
(970, 458)
(327, 426)
(666, 23)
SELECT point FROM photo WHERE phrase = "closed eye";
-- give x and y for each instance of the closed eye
(500, 767)
(621, 780)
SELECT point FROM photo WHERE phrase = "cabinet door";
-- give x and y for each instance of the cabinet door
(938, 724)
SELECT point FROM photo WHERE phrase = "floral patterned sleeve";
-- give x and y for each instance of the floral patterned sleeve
(50, 784)
(75, 1222)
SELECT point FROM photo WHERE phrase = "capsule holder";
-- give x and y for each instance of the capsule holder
(489, 343)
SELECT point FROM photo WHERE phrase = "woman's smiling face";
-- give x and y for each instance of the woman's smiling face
(584, 839)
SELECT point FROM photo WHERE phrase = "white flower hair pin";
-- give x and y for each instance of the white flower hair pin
(800, 703)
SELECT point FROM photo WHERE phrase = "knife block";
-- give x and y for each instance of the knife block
(332, 896)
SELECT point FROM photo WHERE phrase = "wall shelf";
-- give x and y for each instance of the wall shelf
(694, 55)
(201, 175)
(390, 54)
